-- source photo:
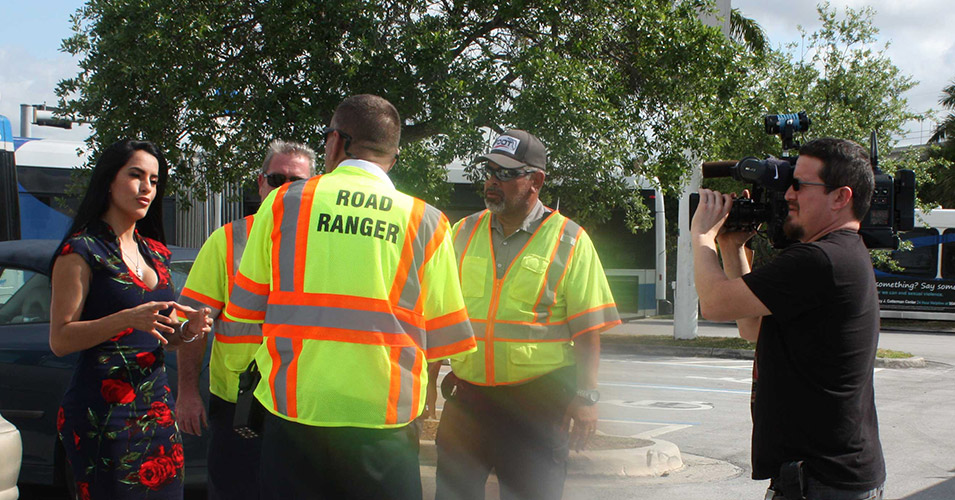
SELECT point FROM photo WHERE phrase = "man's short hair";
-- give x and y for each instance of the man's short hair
(280, 147)
(372, 122)
(844, 163)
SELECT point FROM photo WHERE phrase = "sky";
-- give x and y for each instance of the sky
(920, 33)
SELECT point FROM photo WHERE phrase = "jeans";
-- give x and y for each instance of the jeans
(818, 491)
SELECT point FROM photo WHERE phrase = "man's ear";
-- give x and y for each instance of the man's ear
(843, 198)
(537, 179)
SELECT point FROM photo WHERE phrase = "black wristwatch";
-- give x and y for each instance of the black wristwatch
(588, 396)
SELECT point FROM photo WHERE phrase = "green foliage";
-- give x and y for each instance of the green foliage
(843, 80)
(940, 190)
(602, 83)
(847, 85)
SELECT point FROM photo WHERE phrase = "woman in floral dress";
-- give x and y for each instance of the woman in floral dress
(113, 302)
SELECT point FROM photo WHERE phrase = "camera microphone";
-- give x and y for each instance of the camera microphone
(712, 169)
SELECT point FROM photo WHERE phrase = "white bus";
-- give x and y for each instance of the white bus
(925, 288)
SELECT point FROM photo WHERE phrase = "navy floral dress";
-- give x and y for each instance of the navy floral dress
(117, 423)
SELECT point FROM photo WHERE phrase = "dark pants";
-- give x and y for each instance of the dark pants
(233, 460)
(514, 430)
(308, 462)
(818, 491)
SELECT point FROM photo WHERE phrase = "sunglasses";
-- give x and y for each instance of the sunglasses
(345, 137)
(798, 184)
(504, 174)
(276, 180)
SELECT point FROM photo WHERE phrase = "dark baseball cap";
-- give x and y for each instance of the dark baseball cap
(515, 149)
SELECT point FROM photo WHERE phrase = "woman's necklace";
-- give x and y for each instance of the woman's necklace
(139, 269)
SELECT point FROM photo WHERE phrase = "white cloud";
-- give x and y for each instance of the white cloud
(28, 79)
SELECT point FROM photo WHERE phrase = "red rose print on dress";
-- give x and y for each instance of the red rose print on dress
(121, 334)
(60, 419)
(158, 470)
(161, 413)
(177, 455)
(83, 490)
(117, 391)
(145, 359)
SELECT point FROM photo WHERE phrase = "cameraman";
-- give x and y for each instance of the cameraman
(814, 313)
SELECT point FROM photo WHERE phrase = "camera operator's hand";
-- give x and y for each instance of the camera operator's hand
(710, 214)
(734, 239)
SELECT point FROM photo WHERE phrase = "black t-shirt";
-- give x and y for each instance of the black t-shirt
(813, 394)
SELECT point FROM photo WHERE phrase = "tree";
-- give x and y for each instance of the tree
(602, 83)
(941, 189)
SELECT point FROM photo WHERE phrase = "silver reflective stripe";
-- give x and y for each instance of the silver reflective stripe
(594, 318)
(406, 360)
(236, 329)
(565, 244)
(248, 300)
(426, 229)
(531, 332)
(478, 327)
(280, 390)
(195, 304)
(341, 318)
(464, 234)
(240, 236)
(289, 228)
(448, 335)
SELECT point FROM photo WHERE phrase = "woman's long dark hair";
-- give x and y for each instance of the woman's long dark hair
(96, 200)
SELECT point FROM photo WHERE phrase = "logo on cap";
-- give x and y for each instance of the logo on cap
(507, 144)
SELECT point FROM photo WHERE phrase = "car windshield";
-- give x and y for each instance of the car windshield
(24, 297)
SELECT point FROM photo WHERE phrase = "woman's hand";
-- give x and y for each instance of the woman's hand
(147, 317)
(200, 324)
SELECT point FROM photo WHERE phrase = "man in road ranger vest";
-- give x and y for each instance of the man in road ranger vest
(233, 462)
(352, 311)
(538, 299)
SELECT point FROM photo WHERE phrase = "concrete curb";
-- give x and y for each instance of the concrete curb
(916, 362)
(713, 352)
(658, 458)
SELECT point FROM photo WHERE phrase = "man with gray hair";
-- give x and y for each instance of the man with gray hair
(233, 461)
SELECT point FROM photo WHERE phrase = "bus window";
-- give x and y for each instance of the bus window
(922, 260)
(948, 254)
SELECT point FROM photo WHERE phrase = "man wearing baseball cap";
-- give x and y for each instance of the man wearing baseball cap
(538, 299)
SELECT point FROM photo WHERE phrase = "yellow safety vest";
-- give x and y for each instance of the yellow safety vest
(554, 290)
(208, 285)
(355, 285)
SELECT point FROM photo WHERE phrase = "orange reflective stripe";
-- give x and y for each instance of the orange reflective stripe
(229, 255)
(246, 339)
(302, 231)
(573, 250)
(599, 328)
(338, 335)
(250, 286)
(278, 209)
(550, 262)
(450, 349)
(276, 362)
(205, 299)
(474, 230)
(454, 318)
(407, 251)
(237, 311)
(391, 413)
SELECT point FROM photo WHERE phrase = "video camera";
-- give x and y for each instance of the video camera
(893, 201)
